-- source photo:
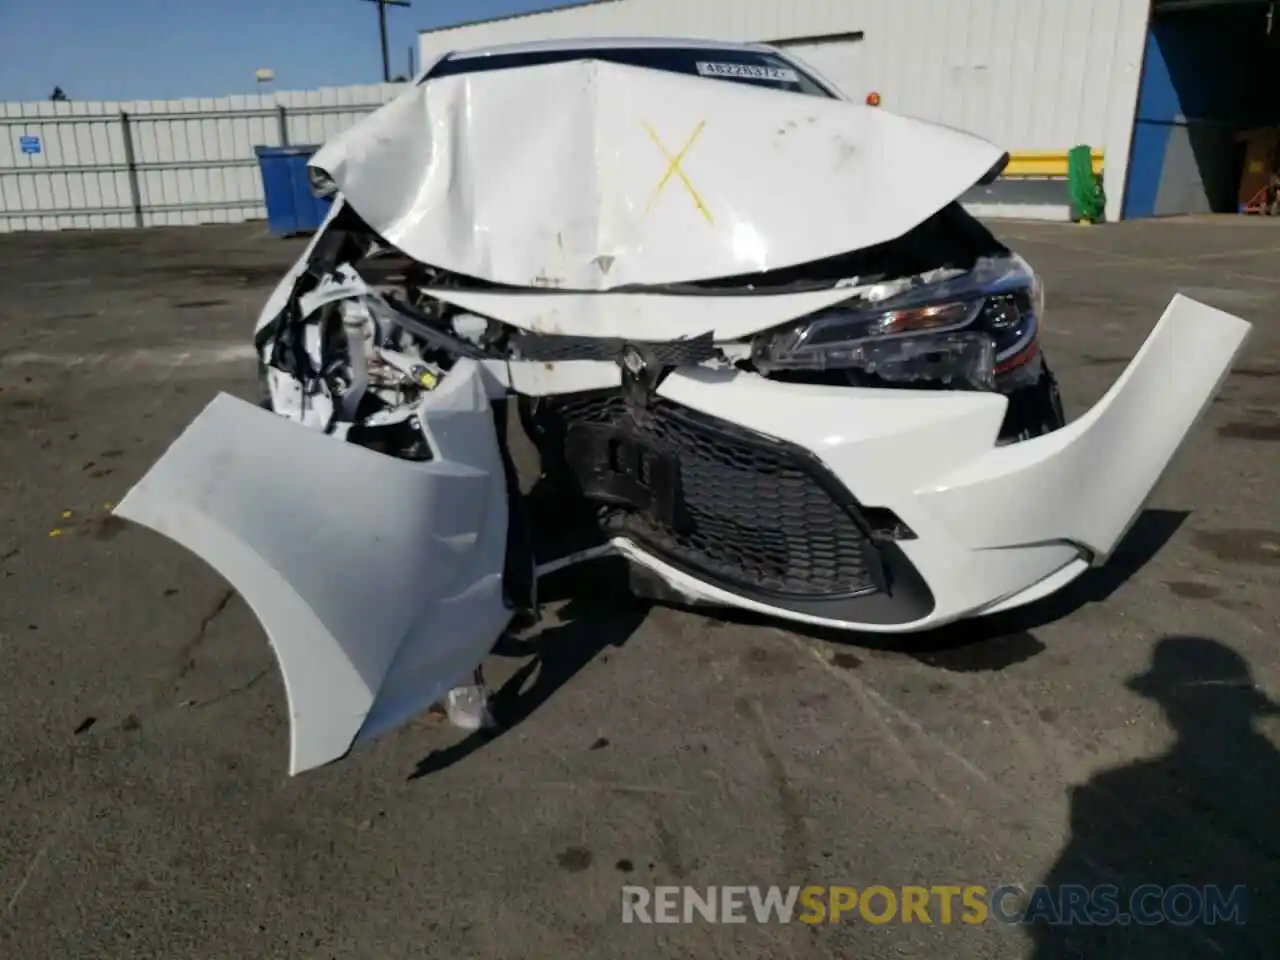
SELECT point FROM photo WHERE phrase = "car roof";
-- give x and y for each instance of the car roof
(609, 43)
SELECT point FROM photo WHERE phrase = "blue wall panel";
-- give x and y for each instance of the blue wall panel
(1157, 96)
(1146, 161)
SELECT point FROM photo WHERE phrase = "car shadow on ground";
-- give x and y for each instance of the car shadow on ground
(601, 612)
(1186, 845)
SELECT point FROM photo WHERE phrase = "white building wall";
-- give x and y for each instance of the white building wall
(1026, 74)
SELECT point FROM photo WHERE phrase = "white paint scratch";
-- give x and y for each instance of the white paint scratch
(26, 879)
(41, 855)
(881, 706)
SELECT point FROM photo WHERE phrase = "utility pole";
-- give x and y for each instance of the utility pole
(382, 30)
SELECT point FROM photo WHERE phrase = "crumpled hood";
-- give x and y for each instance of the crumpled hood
(593, 176)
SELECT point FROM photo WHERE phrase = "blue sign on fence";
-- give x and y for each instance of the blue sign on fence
(30, 145)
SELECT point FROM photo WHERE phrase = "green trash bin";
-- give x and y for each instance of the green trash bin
(1088, 202)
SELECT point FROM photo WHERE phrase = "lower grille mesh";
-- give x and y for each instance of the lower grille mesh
(753, 512)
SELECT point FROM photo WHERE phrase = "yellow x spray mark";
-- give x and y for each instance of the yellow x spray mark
(674, 169)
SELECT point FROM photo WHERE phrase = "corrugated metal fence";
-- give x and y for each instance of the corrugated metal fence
(148, 163)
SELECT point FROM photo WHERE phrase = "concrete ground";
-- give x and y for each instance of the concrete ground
(144, 805)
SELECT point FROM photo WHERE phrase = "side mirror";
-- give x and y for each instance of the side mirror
(321, 183)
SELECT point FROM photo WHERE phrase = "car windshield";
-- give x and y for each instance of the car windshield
(752, 67)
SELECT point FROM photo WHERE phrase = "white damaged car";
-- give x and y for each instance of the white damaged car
(760, 349)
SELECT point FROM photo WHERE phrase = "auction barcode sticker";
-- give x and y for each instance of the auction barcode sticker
(748, 71)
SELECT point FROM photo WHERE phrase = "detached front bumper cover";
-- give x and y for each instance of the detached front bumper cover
(379, 581)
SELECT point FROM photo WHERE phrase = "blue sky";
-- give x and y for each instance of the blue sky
(152, 49)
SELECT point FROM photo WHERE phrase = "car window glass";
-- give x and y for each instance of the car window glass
(754, 68)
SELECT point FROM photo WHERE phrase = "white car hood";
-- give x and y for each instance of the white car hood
(594, 176)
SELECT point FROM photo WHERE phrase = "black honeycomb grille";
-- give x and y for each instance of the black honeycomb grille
(752, 512)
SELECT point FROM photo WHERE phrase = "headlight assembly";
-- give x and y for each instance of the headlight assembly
(966, 327)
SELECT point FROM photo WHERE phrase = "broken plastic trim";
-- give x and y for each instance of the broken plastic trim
(415, 323)
(553, 348)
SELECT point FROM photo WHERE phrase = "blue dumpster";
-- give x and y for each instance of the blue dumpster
(291, 206)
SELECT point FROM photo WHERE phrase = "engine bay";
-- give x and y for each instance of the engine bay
(361, 336)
